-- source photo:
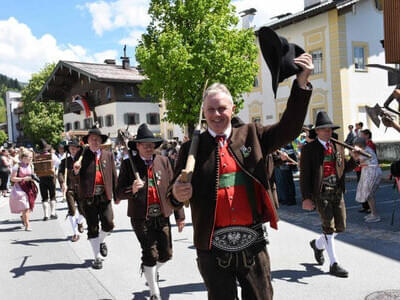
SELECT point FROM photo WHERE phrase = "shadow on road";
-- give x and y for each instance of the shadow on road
(296, 275)
(8, 229)
(38, 241)
(22, 270)
(175, 289)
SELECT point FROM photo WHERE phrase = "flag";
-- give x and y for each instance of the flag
(83, 103)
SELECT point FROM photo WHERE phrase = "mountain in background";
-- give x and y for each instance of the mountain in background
(6, 84)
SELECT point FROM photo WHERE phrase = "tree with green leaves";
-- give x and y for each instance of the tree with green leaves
(41, 119)
(188, 43)
(3, 137)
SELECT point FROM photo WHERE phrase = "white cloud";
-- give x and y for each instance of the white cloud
(108, 16)
(22, 53)
(267, 9)
(132, 39)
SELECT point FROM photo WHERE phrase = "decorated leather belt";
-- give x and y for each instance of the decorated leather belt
(99, 190)
(154, 210)
(237, 238)
(329, 182)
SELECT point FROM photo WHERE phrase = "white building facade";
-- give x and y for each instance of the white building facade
(343, 37)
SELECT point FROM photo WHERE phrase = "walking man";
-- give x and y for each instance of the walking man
(70, 186)
(97, 182)
(147, 205)
(322, 182)
(228, 193)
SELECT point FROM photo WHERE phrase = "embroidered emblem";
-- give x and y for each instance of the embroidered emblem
(339, 159)
(245, 151)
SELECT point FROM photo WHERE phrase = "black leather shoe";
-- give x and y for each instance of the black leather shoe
(155, 297)
(338, 271)
(53, 217)
(364, 210)
(318, 254)
(45, 218)
(103, 249)
(97, 264)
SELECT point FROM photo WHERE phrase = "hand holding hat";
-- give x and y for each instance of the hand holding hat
(284, 59)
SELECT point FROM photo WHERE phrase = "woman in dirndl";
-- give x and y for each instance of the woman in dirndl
(24, 191)
(370, 178)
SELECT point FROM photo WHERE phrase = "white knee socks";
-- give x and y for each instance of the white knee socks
(73, 224)
(330, 248)
(321, 242)
(95, 247)
(46, 209)
(150, 273)
(102, 236)
(53, 207)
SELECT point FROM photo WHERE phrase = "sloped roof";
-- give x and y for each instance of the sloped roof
(310, 12)
(106, 72)
(67, 71)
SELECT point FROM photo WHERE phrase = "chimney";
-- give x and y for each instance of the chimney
(247, 17)
(109, 61)
(125, 60)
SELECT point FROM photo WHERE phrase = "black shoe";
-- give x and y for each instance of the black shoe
(364, 210)
(103, 249)
(97, 264)
(53, 217)
(45, 218)
(155, 297)
(338, 271)
(318, 254)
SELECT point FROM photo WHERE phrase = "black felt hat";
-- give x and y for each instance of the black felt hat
(74, 142)
(145, 135)
(278, 53)
(95, 131)
(323, 121)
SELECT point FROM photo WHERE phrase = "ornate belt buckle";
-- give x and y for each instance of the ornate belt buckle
(98, 190)
(154, 210)
(234, 238)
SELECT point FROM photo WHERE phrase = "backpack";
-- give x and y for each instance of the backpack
(395, 168)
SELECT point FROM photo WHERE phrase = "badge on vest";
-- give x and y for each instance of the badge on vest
(158, 177)
(339, 159)
(245, 151)
(103, 164)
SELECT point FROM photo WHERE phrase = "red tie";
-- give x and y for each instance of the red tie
(220, 139)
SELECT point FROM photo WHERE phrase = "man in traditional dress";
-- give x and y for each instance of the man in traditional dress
(147, 207)
(97, 182)
(70, 186)
(228, 193)
(322, 182)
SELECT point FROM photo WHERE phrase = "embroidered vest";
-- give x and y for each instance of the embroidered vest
(99, 176)
(152, 196)
(234, 189)
(329, 162)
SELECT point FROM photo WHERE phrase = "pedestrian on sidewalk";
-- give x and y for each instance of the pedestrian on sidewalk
(284, 176)
(4, 171)
(147, 204)
(47, 185)
(24, 189)
(371, 175)
(322, 183)
(70, 186)
(97, 182)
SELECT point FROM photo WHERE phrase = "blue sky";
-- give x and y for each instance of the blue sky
(36, 32)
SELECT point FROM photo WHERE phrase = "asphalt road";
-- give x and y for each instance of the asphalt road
(45, 264)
